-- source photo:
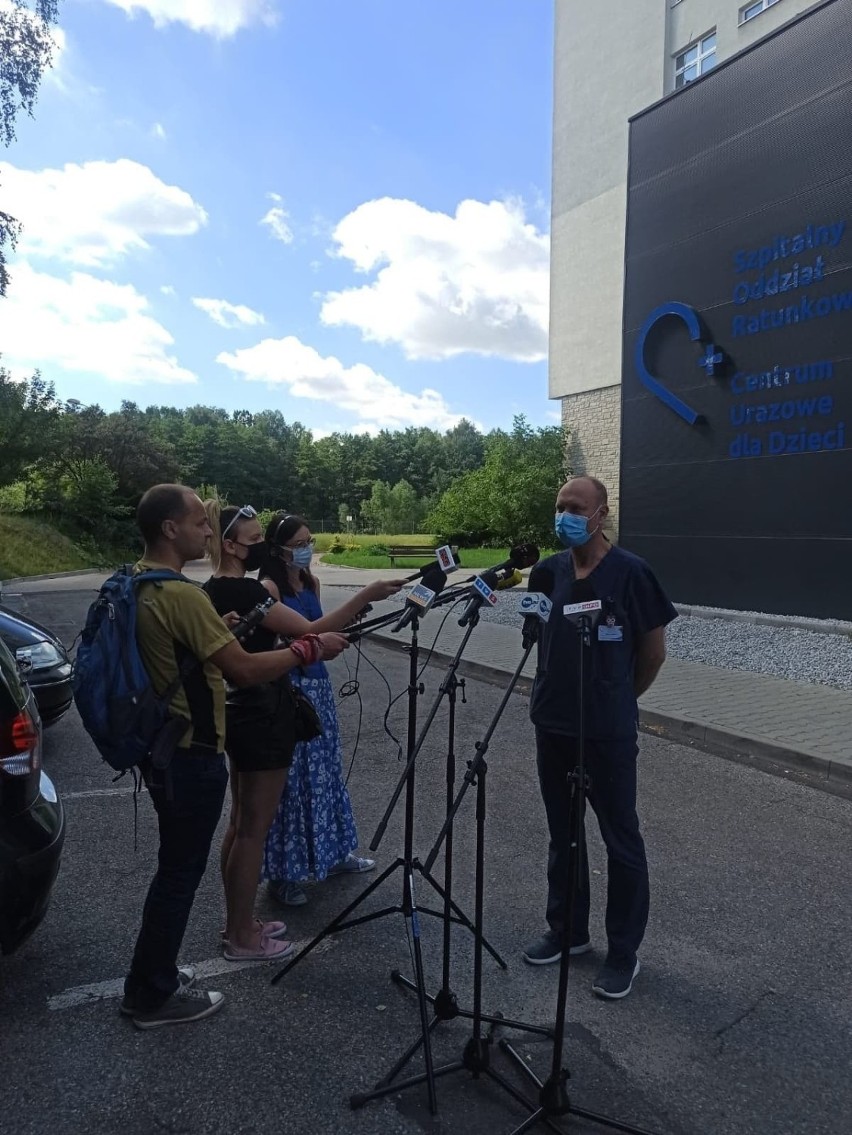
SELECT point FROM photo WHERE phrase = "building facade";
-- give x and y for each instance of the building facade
(614, 58)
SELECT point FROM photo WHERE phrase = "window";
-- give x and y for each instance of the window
(752, 10)
(695, 60)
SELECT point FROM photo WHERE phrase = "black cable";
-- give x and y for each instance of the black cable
(450, 609)
(352, 688)
(391, 698)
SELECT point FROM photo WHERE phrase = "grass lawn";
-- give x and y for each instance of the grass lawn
(324, 540)
(475, 558)
(31, 547)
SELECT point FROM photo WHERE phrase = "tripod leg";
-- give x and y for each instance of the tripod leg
(392, 1073)
(461, 917)
(358, 1099)
(420, 979)
(335, 924)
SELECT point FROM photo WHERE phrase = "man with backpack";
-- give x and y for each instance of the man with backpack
(185, 647)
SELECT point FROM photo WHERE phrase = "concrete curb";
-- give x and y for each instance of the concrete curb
(790, 622)
(51, 575)
(742, 748)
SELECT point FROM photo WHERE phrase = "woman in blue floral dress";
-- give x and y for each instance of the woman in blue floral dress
(313, 834)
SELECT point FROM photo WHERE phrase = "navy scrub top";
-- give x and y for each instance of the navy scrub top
(634, 603)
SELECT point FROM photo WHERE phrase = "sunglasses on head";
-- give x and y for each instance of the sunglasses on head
(244, 513)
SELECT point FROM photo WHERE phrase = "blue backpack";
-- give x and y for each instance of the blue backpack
(119, 707)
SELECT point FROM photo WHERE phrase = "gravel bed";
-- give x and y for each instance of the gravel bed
(778, 652)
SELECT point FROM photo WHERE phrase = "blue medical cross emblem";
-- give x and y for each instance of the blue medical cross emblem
(711, 359)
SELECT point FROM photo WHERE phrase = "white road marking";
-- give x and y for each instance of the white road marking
(79, 995)
(99, 792)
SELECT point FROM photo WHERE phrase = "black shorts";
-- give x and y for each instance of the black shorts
(260, 728)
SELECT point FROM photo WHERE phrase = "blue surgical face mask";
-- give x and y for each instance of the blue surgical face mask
(302, 556)
(573, 531)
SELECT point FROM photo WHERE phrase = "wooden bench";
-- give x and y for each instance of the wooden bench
(413, 552)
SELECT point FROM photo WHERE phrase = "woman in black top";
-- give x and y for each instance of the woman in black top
(259, 727)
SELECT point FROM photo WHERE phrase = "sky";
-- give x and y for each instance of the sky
(334, 208)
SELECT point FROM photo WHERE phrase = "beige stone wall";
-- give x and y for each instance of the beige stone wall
(593, 419)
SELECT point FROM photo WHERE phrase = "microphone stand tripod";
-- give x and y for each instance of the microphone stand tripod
(444, 1002)
(554, 1101)
(476, 1056)
(407, 863)
(407, 906)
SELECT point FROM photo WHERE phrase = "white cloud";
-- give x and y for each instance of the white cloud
(159, 131)
(229, 315)
(219, 18)
(94, 213)
(374, 400)
(276, 220)
(168, 289)
(86, 326)
(476, 282)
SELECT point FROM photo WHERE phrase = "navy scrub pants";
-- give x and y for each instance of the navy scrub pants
(611, 778)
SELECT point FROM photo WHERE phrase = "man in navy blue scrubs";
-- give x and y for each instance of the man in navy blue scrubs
(625, 655)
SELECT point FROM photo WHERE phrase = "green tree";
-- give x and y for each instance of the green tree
(26, 51)
(28, 415)
(394, 510)
(375, 510)
(511, 496)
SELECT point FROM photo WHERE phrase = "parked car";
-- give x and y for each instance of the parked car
(32, 819)
(42, 659)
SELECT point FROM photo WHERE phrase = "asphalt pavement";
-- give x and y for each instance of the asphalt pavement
(739, 1023)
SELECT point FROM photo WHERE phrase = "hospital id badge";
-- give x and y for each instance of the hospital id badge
(610, 633)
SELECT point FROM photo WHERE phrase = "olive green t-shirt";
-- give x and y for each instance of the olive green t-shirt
(176, 620)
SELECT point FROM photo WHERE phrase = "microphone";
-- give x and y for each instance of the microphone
(421, 597)
(535, 605)
(443, 561)
(252, 619)
(510, 579)
(520, 557)
(482, 591)
(583, 606)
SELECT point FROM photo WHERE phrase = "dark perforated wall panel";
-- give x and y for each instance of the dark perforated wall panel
(736, 458)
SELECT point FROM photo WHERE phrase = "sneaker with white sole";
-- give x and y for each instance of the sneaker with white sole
(353, 865)
(182, 1007)
(267, 950)
(548, 948)
(286, 893)
(187, 976)
(614, 982)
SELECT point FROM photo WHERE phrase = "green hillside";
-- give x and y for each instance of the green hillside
(31, 547)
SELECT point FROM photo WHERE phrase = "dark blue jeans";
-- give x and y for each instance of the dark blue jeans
(187, 817)
(611, 774)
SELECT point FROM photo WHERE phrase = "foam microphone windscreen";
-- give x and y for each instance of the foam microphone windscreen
(523, 556)
(434, 579)
(510, 579)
